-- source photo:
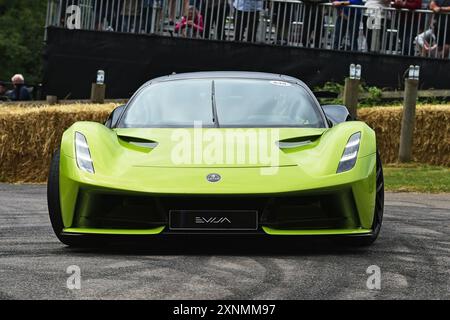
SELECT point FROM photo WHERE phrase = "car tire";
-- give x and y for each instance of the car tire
(53, 202)
(379, 210)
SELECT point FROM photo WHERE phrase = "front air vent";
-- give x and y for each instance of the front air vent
(297, 142)
(139, 142)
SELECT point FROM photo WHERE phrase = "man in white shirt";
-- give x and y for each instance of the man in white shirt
(247, 19)
(373, 23)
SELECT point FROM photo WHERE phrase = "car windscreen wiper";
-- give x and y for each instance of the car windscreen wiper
(213, 102)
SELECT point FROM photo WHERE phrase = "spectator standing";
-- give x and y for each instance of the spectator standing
(20, 92)
(373, 23)
(442, 24)
(347, 24)
(215, 12)
(247, 19)
(408, 23)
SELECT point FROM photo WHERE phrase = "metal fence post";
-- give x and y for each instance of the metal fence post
(51, 100)
(98, 88)
(98, 93)
(409, 114)
(351, 89)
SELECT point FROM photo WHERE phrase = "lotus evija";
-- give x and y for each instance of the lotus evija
(227, 153)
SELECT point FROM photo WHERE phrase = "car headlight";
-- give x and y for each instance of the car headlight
(350, 154)
(82, 153)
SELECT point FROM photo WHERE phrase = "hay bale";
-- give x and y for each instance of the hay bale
(29, 136)
(431, 142)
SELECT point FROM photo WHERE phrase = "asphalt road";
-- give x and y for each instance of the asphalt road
(413, 254)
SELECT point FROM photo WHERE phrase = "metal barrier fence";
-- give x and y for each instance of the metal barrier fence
(279, 22)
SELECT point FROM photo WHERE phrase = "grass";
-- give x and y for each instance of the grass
(416, 178)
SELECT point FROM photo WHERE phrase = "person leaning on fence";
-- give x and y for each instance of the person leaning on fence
(215, 13)
(191, 24)
(346, 30)
(20, 91)
(373, 23)
(426, 44)
(442, 24)
(247, 19)
(408, 23)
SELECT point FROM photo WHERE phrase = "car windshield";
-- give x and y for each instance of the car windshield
(223, 103)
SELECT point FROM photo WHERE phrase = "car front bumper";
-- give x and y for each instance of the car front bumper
(287, 204)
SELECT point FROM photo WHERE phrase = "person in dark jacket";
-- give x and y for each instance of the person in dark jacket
(347, 24)
(20, 92)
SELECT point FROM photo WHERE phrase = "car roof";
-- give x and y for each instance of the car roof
(226, 74)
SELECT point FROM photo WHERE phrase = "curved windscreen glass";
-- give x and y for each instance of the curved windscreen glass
(171, 104)
(247, 102)
(223, 103)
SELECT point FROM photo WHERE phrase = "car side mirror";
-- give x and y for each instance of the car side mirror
(114, 117)
(337, 113)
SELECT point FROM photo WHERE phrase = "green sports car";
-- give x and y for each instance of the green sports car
(218, 153)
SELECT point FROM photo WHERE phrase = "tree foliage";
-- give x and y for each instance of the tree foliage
(22, 38)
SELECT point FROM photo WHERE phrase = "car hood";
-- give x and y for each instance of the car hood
(127, 154)
(215, 147)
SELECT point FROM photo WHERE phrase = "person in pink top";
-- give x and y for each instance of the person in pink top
(192, 25)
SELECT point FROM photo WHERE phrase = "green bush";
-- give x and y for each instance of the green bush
(21, 38)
